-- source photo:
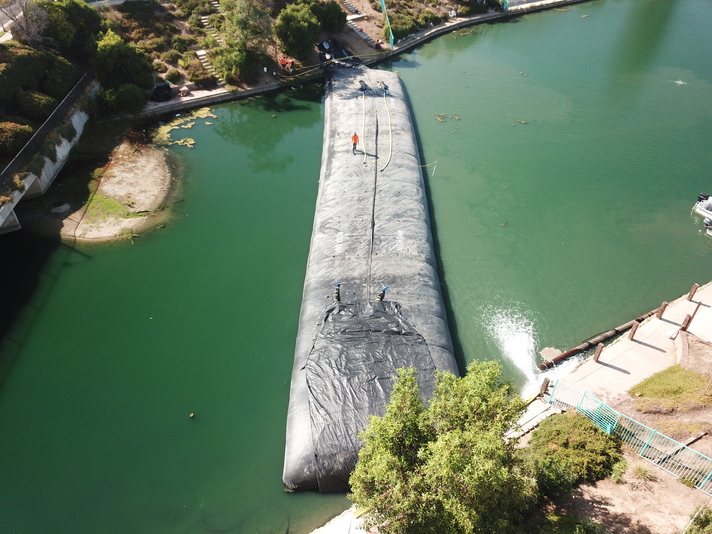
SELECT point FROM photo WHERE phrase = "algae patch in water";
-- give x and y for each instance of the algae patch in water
(162, 135)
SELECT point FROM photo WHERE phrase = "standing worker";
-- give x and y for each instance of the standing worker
(354, 140)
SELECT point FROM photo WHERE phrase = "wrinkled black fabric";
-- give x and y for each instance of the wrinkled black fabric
(350, 373)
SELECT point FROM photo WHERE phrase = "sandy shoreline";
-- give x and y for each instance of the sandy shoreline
(130, 195)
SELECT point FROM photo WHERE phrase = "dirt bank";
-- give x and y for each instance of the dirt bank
(122, 199)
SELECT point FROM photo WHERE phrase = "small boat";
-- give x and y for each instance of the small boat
(703, 206)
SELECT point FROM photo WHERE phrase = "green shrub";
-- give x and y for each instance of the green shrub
(426, 17)
(702, 521)
(13, 137)
(21, 68)
(116, 62)
(238, 63)
(216, 21)
(174, 76)
(59, 79)
(127, 99)
(209, 42)
(34, 105)
(157, 44)
(553, 523)
(568, 449)
(182, 43)
(171, 57)
(297, 28)
(159, 66)
(330, 15)
(199, 76)
(187, 59)
(48, 149)
(618, 470)
(402, 25)
(66, 130)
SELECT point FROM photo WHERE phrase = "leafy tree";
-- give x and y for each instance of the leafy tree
(297, 28)
(59, 31)
(446, 468)
(87, 24)
(330, 15)
(249, 24)
(117, 62)
(237, 62)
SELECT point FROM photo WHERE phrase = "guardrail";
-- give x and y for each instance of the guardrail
(664, 452)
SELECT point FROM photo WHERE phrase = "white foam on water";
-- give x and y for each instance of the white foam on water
(515, 335)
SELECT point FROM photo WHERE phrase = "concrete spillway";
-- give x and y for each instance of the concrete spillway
(371, 230)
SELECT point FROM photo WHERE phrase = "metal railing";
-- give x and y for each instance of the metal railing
(666, 453)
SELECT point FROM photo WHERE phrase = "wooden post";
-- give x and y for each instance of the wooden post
(686, 323)
(692, 291)
(695, 312)
(597, 354)
(661, 310)
(633, 329)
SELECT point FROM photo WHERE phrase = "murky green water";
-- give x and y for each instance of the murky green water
(549, 230)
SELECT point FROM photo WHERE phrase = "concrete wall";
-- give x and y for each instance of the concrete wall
(37, 185)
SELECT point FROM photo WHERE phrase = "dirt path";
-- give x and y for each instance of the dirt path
(660, 505)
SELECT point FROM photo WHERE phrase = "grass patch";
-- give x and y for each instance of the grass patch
(674, 389)
(642, 472)
(681, 430)
(101, 208)
(567, 524)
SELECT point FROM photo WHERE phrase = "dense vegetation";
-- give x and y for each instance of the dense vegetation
(567, 449)
(445, 468)
(448, 468)
(32, 82)
(408, 16)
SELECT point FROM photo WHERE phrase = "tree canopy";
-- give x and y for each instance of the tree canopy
(117, 62)
(446, 467)
(297, 28)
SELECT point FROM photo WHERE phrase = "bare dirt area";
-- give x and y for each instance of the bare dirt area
(139, 180)
(659, 505)
(129, 196)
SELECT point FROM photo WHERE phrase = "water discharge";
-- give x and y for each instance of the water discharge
(515, 335)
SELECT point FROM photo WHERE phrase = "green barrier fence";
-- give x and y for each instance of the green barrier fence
(677, 459)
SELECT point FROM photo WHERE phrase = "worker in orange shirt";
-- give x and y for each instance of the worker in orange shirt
(354, 140)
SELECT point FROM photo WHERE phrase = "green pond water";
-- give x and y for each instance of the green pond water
(548, 230)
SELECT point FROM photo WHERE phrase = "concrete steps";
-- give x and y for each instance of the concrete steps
(203, 57)
(359, 31)
(348, 5)
(202, 54)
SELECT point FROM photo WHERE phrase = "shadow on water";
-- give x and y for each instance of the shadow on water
(452, 320)
(23, 271)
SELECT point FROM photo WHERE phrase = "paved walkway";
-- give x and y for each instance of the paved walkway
(655, 346)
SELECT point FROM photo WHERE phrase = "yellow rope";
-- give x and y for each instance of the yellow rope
(390, 133)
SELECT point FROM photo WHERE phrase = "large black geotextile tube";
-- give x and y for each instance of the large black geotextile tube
(371, 230)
